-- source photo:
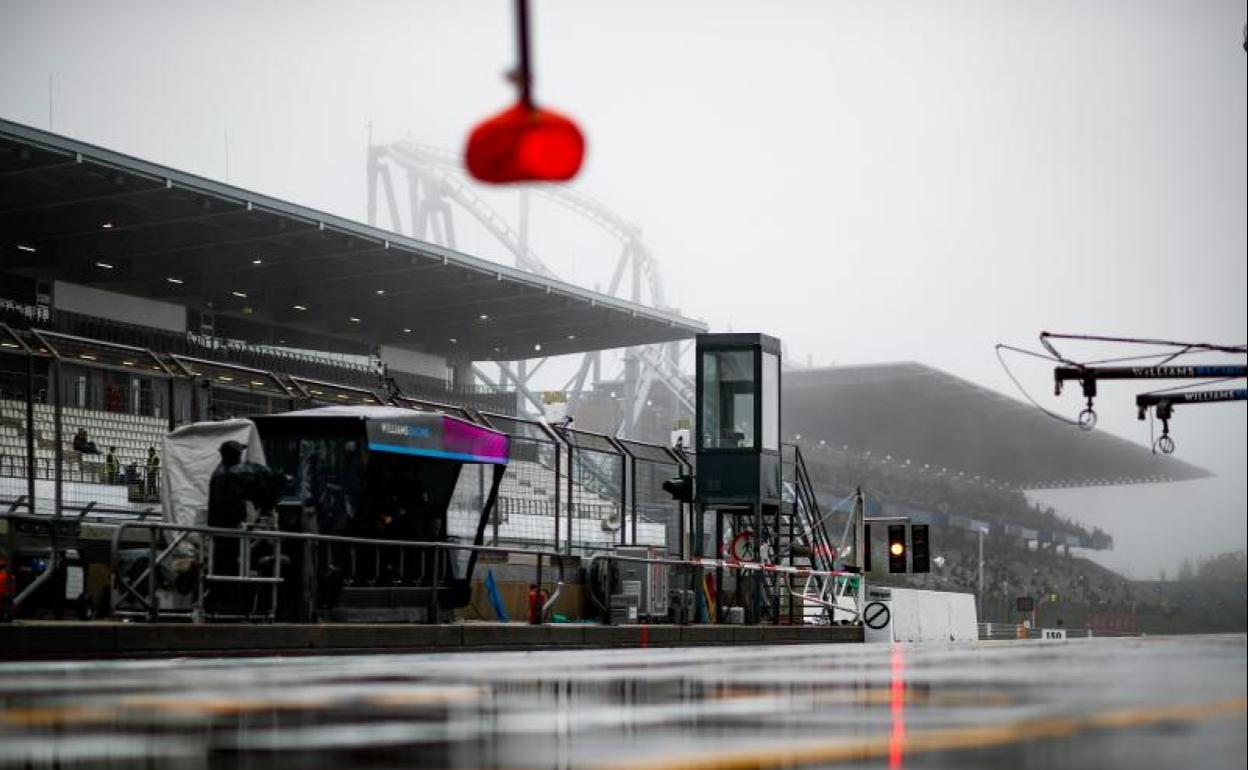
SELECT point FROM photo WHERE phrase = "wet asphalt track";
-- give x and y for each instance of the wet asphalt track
(1174, 703)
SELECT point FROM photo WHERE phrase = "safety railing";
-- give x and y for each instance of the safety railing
(167, 544)
(140, 584)
(1008, 631)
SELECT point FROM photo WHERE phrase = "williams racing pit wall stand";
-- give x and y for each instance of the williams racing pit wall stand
(341, 473)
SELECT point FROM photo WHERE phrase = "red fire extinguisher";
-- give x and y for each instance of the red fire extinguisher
(537, 599)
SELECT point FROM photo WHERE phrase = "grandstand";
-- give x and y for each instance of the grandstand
(919, 417)
(135, 298)
(900, 433)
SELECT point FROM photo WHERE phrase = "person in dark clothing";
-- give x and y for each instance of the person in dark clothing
(226, 508)
(234, 484)
(112, 466)
(84, 444)
(153, 471)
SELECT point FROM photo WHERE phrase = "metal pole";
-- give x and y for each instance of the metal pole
(57, 437)
(632, 493)
(153, 608)
(756, 609)
(169, 407)
(436, 610)
(524, 68)
(30, 430)
(558, 475)
(719, 570)
(537, 617)
(979, 591)
(571, 497)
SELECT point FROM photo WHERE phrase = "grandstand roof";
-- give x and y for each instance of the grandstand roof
(917, 413)
(76, 212)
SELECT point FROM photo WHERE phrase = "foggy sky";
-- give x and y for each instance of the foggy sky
(869, 181)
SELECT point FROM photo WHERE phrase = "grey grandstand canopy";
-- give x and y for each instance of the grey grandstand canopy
(917, 413)
(75, 212)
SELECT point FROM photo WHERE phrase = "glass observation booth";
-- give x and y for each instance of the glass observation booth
(738, 483)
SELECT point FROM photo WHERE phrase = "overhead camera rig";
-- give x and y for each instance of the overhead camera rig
(1162, 402)
(1087, 377)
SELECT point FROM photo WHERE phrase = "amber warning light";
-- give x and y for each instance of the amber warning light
(525, 143)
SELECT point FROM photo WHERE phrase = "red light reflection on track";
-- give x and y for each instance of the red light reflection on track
(897, 707)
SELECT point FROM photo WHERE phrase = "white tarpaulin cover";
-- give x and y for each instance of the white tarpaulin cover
(191, 453)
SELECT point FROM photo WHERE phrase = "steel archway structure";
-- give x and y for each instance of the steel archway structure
(436, 184)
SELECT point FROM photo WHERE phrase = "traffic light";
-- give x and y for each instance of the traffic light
(866, 548)
(680, 488)
(897, 548)
(920, 554)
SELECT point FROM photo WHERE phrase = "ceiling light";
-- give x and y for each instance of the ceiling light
(107, 225)
(406, 330)
(24, 247)
(257, 261)
(571, 336)
(538, 346)
(380, 292)
(239, 294)
(353, 319)
(127, 363)
(454, 341)
(87, 356)
(300, 307)
(225, 378)
(484, 317)
(178, 281)
(104, 265)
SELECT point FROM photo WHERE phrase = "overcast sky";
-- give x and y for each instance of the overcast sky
(870, 181)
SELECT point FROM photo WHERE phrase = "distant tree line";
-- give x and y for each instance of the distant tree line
(1223, 568)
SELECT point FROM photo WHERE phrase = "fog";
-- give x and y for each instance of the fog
(869, 181)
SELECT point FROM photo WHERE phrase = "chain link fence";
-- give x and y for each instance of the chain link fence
(656, 518)
(595, 492)
(529, 498)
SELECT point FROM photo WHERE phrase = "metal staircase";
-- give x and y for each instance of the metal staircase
(804, 541)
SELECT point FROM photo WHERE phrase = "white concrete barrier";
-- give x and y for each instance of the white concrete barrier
(910, 615)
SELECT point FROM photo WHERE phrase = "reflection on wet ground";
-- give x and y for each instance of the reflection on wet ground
(1155, 702)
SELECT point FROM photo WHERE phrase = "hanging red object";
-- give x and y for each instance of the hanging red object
(525, 143)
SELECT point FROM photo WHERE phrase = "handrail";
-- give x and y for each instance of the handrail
(255, 534)
(151, 608)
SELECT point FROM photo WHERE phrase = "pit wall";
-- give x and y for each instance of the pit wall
(925, 616)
